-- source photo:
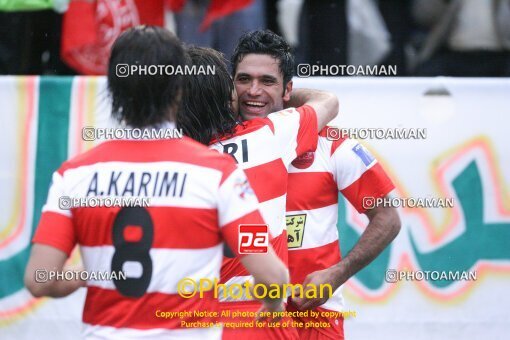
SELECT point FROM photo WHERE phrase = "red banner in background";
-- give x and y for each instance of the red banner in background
(217, 9)
(90, 28)
(222, 8)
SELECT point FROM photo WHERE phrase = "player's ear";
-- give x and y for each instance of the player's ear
(286, 92)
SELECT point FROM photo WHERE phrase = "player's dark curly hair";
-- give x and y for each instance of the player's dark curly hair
(145, 100)
(206, 113)
(266, 42)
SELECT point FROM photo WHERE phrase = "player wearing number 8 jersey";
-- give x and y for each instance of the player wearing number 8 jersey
(198, 199)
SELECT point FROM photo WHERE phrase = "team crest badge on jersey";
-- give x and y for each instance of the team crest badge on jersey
(304, 161)
(295, 230)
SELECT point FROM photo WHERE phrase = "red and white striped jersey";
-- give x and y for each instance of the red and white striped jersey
(198, 198)
(312, 203)
(264, 149)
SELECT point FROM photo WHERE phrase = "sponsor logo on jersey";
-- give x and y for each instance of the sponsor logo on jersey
(295, 230)
(253, 238)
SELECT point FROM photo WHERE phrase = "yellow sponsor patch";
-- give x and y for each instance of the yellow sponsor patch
(295, 230)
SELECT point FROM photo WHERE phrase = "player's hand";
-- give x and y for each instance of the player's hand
(318, 278)
(277, 307)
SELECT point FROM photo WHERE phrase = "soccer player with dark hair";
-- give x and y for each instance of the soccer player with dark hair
(198, 198)
(263, 147)
(258, 55)
(315, 178)
(207, 110)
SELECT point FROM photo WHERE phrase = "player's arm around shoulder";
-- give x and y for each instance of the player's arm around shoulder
(325, 104)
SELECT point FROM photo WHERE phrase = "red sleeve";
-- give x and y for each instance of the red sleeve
(373, 183)
(55, 230)
(308, 130)
(357, 173)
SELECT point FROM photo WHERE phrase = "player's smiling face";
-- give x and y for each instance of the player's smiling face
(259, 85)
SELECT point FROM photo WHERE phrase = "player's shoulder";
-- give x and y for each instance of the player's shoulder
(334, 139)
(293, 116)
(291, 112)
(286, 119)
(183, 150)
(205, 156)
(94, 155)
(246, 128)
(201, 155)
(284, 112)
(342, 148)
